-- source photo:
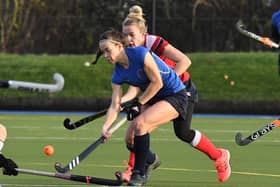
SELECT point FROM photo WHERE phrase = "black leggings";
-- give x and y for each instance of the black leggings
(182, 128)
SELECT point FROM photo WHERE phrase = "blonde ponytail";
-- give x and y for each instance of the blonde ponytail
(136, 16)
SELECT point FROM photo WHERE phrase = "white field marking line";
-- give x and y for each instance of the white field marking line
(112, 139)
(178, 169)
(121, 139)
(160, 129)
(214, 171)
(207, 130)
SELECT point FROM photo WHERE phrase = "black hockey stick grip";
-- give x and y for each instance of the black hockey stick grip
(77, 178)
(83, 121)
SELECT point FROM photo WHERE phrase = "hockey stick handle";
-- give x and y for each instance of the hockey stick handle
(264, 40)
(100, 140)
(71, 177)
(257, 134)
(114, 127)
(76, 161)
(35, 87)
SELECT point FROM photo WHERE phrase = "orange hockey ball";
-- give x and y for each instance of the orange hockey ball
(48, 150)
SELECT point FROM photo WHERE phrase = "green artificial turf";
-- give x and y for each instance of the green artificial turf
(182, 166)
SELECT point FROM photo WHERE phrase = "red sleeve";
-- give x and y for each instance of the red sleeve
(157, 44)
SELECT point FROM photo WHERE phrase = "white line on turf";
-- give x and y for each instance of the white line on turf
(121, 139)
(176, 169)
(214, 171)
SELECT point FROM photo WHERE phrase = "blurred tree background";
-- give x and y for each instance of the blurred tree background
(73, 26)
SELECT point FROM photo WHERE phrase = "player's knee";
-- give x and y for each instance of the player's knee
(129, 141)
(140, 127)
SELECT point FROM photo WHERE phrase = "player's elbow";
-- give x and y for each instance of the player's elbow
(159, 84)
(188, 62)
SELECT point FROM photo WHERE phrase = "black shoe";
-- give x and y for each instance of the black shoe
(137, 179)
(150, 167)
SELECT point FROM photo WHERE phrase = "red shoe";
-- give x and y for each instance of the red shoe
(223, 166)
(126, 175)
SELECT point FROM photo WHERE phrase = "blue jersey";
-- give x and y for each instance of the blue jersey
(135, 75)
(275, 20)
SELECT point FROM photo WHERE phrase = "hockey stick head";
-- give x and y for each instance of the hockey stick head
(67, 125)
(60, 169)
(59, 79)
(239, 24)
(239, 141)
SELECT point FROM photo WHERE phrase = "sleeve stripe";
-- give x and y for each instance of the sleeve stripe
(158, 46)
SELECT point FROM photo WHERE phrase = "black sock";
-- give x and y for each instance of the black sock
(141, 148)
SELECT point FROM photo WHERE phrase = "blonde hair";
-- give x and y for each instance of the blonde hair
(135, 16)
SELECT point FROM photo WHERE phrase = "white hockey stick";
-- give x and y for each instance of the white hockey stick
(265, 40)
(35, 87)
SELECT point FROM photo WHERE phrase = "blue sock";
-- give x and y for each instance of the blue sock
(141, 148)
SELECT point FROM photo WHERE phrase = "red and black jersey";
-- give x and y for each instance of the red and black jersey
(157, 44)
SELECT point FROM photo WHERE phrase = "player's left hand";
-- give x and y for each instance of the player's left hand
(132, 108)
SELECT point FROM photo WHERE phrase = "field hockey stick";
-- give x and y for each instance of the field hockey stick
(265, 40)
(83, 121)
(76, 161)
(254, 136)
(77, 178)
(35, 87)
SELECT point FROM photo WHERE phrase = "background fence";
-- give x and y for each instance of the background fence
(73, 26)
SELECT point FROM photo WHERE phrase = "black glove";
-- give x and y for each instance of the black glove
(132, 108)
(8, 166)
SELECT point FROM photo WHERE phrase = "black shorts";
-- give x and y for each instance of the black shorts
(179, 101)
(191, 91)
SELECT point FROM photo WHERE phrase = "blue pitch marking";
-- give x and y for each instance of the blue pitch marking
(236, 116)
(20, 112)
